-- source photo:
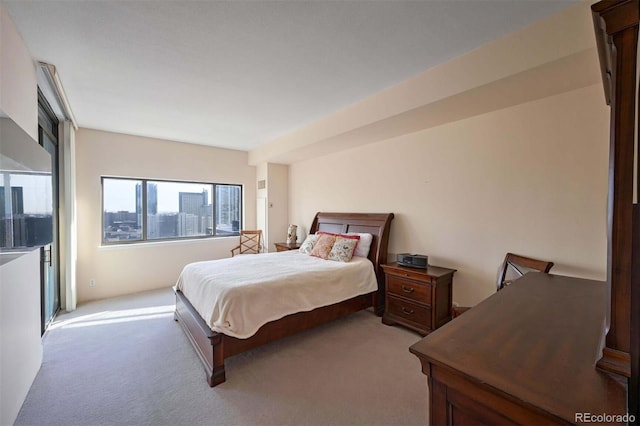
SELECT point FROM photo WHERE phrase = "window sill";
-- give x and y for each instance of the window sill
(148, 244)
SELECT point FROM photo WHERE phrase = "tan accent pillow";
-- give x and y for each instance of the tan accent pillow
(323, 246)
(343, 248)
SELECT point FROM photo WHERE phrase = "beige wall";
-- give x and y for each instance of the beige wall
(261, 203)
(273, 217)
(131, 268)
(531, 179)
(277, 206)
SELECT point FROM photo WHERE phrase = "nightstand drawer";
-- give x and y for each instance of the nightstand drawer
(409, 311)
(413, 290)
(410, 274)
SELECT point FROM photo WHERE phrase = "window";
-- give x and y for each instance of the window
(26, 202)
(150, 210)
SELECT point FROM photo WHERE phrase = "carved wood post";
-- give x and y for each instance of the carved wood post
(616, 24)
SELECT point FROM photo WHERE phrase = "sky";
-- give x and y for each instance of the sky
(120, 194)
(37, 195)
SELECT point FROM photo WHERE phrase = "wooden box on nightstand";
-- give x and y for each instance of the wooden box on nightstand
(419, 299)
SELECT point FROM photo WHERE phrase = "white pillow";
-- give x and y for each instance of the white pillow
(308, 244)
(364, 244)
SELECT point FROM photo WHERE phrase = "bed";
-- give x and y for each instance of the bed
(213, 347)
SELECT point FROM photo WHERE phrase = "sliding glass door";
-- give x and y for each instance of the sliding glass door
(50, 270)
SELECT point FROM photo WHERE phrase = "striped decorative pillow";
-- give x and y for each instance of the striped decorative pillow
(323, 246)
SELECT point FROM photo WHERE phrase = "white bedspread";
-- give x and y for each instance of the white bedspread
(236, 296)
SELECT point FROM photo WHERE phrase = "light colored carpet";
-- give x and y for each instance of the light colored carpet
(126, 361)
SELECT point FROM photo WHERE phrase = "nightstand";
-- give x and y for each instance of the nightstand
(419, 299)
(287, 246)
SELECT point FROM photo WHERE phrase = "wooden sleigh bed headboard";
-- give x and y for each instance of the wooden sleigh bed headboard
(376, 224)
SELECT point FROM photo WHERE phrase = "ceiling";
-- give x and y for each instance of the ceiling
(238, 74)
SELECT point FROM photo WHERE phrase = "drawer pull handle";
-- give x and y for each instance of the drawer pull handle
(405, 274)
(407, 311)
(407, 289)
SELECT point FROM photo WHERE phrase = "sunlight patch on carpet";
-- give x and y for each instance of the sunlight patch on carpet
(114, 317)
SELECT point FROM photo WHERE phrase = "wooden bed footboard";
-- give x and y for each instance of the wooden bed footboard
(207, 343)
(213, 348)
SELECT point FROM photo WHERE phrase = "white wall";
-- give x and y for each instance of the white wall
(20, 344)
(21, 353)
(132, 268)
(530, 179)
(18, 88)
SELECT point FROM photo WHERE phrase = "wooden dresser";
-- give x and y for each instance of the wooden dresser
(419, 299)
(525, 355)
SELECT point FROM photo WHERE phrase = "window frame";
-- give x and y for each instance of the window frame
(145, 239)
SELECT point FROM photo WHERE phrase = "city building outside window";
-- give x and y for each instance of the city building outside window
(148, 210)
(26, 203)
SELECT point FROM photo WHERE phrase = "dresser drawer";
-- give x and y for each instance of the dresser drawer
(409, 311)
(413, 290)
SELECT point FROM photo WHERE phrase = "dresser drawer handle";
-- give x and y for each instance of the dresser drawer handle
(408, 290)
(407, 311)
(405, 274)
